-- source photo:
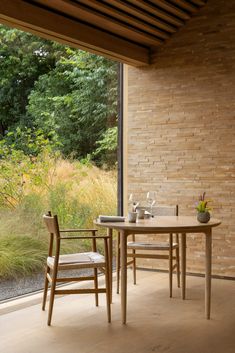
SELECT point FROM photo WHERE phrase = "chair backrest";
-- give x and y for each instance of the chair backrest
(165, 210)
(52, 225)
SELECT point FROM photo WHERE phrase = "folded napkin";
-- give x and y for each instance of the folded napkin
(111, 218)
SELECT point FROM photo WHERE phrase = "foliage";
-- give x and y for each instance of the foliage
(30, 141)
(50, 87)
(106, 151)
(78, 99)
(25, 159)
(57, 105)
(23, 59)
(202, 205)
(20, 255)
(77, 193)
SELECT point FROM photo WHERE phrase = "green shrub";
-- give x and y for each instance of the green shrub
(21, 255)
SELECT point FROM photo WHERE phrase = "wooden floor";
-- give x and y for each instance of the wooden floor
(156, 323)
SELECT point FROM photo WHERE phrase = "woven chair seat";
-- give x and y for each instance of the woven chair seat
(78, 260)
(150, 246)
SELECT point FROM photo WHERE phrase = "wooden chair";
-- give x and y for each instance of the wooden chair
(87, 260)
(169, 246)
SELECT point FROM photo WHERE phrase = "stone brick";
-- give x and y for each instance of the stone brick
(181, 128)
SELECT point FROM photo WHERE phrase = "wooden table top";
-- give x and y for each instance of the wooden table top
(164, 224)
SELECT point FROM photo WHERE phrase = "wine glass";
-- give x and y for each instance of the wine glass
(133, 202)
(151, 200)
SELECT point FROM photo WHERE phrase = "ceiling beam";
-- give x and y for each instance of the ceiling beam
(28, 17)
(199, 2)
(151, 8)
(185, 5)
(171, 9)
(109, 7)
(102, 21)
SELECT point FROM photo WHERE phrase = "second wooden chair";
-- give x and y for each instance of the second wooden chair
(142, 249)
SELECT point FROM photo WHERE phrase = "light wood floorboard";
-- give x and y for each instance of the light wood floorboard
(155, 322)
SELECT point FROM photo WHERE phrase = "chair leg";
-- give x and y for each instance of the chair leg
(52, 297)
(170, 265)
(44, 300)
(178, 266)
(134, 267)
(108, 295)
(118, 262)
(134, 261)
(107, 281)
(96, 286)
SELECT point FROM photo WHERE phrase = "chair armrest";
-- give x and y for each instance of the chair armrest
(88, 237)
(77, 230)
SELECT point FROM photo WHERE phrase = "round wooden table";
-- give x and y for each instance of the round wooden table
(164, 225)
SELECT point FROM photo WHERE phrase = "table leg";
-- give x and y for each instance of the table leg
(183, 265)
(110, 247)
(123, 249)
(118, 259)
(208, 274)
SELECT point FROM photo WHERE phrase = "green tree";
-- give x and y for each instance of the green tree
(106, 151)
(78, 99)
(49, 87)
(23, 59)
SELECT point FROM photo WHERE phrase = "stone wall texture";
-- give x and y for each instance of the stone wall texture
(181, 129)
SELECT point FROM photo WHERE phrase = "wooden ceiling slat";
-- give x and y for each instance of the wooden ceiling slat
(138, 14)
(171, 9)
(27, 16)
(198, 2)
(80, 12)
(121, 25)
(165, 16)
(138, 5)
(185, 5)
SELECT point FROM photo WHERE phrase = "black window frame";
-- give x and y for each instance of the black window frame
(120, 156)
